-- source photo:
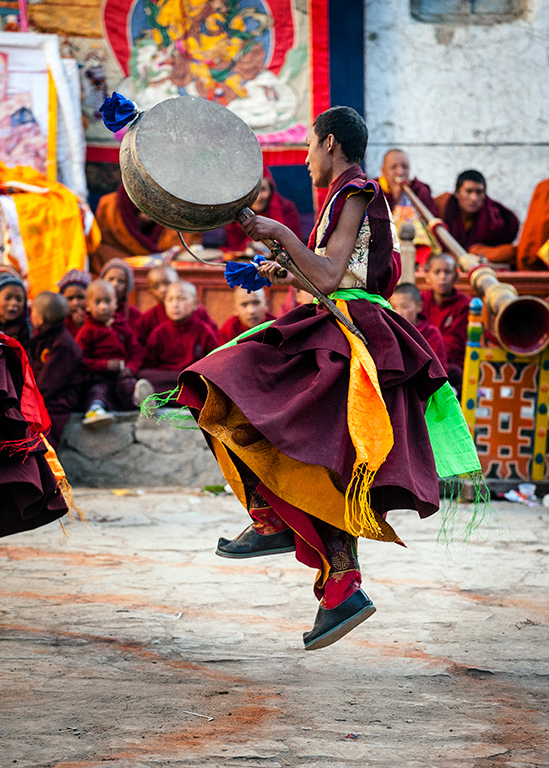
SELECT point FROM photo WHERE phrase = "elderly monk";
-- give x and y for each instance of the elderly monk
(395, 172)
(533, 246)
(479, 224)
(127, 231)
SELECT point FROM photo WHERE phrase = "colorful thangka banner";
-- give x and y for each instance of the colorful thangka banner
(265, 61)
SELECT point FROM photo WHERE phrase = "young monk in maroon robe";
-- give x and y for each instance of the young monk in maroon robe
(14, 318)
(56, 360)
(177, 343)
(120, 276)
(250, 310)
(112, 355)
(280, 406)
(73, 287)
(448, 310)
(407, 301)
(479, 224)
(158, 281)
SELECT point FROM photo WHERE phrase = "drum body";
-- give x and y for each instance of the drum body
(191, 165)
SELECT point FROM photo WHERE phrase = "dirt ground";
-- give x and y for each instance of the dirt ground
(132, 645)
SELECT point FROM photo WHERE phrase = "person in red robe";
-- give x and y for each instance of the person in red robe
(269, 203)
(480, 225)
(120, 275)
(73, 287)
(533, 244)
(159, 280)
(448, 310)
(56, 360)
(127, 231)
(178, 342)
(112, 355)
(31, 478)
(250, 310)
(407, 301)
(280, 405)
(395, 172)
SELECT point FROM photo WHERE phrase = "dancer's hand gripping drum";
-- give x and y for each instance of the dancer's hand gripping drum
(192, 166)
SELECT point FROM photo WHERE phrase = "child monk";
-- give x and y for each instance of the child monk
(73, 287)
(113, 356)
(14, 320)
(178, 342)
(406, 302)
(56, 360)
(250, 310)
(447, 309)
(120, 275)
(158, 280)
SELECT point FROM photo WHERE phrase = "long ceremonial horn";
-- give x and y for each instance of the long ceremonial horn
(520, 323)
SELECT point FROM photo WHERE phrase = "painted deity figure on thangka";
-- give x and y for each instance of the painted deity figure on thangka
(251, 57)
(319, 435)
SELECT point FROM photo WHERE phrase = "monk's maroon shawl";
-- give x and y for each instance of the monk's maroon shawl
(291, 381)
(419, 188)
(495, 224)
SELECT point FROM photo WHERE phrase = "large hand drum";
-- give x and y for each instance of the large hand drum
(191, 165)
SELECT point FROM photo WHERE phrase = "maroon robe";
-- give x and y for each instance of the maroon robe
(494, 224)
(422, 190)
(433, 337)
(19, 329)
(127, 313)
(450, 316)
(71, 325)
(28, 489)
(233, 327)
(291, 383)
(156, 315)
(56, 360)
(278, 208)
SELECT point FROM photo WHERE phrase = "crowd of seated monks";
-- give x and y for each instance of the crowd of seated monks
(92, 351)
(480, 224)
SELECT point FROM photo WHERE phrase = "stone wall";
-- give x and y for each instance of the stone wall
(457, 96)
(135, 451)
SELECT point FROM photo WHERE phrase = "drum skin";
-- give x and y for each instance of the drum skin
(190, 164)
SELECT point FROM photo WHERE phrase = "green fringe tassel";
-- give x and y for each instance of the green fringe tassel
(177, 417)
(449, 508)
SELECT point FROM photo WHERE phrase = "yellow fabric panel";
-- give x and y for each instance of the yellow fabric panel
(51, 228)
(299, 484)
(82, 18)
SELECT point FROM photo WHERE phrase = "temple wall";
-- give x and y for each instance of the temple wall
(457, 97)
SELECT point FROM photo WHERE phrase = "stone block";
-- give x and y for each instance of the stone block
(99, 442)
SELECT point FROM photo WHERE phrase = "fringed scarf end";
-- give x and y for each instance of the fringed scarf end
(359, 518)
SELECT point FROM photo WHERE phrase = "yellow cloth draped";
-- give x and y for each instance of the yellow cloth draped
(51, 227)
(310, 487)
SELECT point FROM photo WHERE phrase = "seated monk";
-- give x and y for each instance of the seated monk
(480, 225)
(395, 172)
(250, 310)
(127, 231)
(533, 245)
(269, 203)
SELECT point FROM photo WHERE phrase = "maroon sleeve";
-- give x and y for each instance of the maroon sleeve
(227, 331)
(455, 336)
(58, 369)
(291, 216)
(151, 358)
(434, 338)
(86, 338)
(134, 352)
(236, 238)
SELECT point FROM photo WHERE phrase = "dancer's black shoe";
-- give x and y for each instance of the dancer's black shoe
(252, 544)
(331, 624)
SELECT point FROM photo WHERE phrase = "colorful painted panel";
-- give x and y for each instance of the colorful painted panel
(27, 130)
